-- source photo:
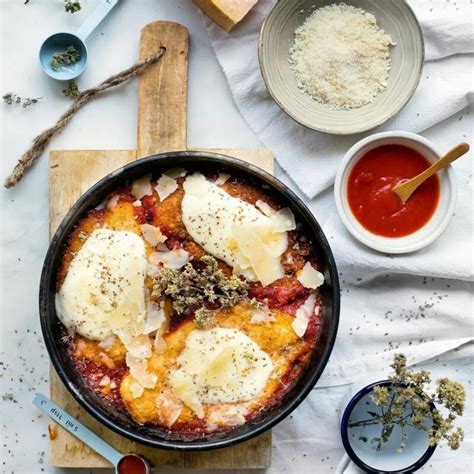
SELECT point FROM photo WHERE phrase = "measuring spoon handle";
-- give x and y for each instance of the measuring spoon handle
(77, 429)
(95, 18)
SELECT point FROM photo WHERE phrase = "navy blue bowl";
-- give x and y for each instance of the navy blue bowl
(347, 444)
(121, 422)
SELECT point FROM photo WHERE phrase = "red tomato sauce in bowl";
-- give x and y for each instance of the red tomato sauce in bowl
(372, 201)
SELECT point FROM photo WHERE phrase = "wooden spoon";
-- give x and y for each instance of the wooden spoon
(407, 187)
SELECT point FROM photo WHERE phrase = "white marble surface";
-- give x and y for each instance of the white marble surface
(110, 123)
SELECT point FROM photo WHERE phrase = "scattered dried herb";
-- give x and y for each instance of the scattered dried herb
(8, 397)
(65, 58)
(71, 90)
(407, 403)
(204, 318)
(193, 288)
(72, 6)
(11, 98)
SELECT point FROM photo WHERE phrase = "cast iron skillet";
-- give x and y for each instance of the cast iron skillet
(121, 422)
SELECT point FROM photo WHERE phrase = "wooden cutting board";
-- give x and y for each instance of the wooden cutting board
(162, 104)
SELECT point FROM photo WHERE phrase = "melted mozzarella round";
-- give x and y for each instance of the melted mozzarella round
(104, 290)
(236, 231)
(220, 365)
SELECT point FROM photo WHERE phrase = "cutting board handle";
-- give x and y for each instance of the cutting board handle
(163, 90)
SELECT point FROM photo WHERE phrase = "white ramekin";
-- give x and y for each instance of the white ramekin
(432, 229)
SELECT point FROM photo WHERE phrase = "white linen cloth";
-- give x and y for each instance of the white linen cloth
(311, 158)
(419, 304)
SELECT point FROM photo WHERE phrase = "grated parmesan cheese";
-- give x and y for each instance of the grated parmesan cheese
(340, 57)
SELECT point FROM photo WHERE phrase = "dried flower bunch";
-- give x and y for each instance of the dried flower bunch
(194, 288)
(11, 98)
(407, 403)
(72, 6)
(65, 58)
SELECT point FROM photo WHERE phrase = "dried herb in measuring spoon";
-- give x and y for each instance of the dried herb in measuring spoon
(65, 58)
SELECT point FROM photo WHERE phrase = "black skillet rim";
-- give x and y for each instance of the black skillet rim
(132, 171)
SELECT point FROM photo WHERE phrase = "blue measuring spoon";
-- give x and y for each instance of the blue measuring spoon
(59, 42)
(121, 462)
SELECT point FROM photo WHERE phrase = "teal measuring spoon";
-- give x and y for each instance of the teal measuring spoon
(59, 42)
(123, 463)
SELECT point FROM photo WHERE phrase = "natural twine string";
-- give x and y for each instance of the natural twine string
(42, 140)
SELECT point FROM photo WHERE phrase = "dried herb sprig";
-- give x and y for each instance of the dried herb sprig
(194, 287)
(65, 58)
(407, 403)
(72, 6)
(71, 90)
(11, 98)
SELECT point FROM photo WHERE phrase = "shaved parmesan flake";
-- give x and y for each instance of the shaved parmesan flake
(169, 407)
(283, 220)
(152, 234)
(155, 317)
(309, 277)
(139, 346)
(221, 179)
(137, 203)
(112, 202)
(304, 312)
(159, 344)
(166, 186)
(227, 415)
(185, 389)
(266, 266)
(152, 269)
(139, 371)
(107, 343)
(104, 381)
(265, 208)
(340, 57)
(262, 315)
(142, 187)
(161, 247)
(171, 259)
(175, 173)
(136, 389)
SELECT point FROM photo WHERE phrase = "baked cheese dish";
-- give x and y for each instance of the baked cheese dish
(190, 300)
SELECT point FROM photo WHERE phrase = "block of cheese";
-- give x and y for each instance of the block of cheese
(226, 13)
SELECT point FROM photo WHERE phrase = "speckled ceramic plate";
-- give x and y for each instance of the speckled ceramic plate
(277, 35)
